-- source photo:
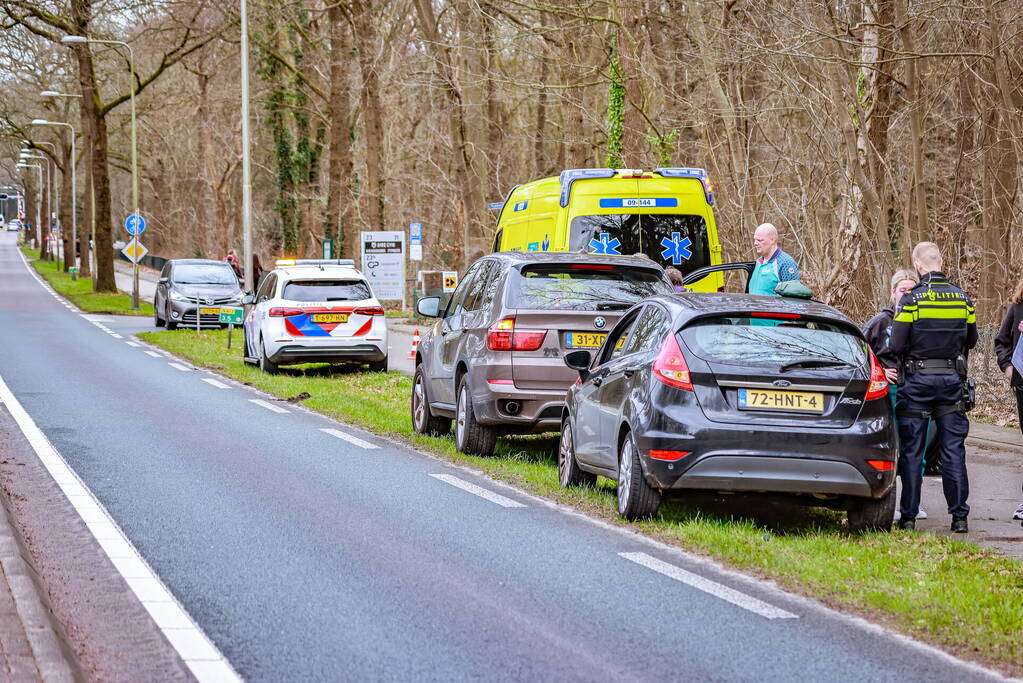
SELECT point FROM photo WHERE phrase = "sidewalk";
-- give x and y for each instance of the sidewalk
(147, 280)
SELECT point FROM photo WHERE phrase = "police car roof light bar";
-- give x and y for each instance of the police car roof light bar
(315, 262)
(571, 175)
(697, 173)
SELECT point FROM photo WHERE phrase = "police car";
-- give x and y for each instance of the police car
(315, 311)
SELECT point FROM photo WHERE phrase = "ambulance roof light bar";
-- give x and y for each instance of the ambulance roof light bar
(571, 175)
(697, 173)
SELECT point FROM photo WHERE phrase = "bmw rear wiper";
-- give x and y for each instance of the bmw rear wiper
(815, 363)
(612, 306)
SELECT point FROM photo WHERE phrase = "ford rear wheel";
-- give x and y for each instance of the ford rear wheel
(636, 498)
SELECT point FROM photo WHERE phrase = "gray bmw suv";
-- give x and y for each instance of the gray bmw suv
(493, 360)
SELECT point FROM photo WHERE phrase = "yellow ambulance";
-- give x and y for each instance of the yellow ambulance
(666, 214)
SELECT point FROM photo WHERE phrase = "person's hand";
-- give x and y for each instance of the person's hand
(892, 374)
(1008, 373)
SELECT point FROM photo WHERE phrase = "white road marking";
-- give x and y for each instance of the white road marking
(213, 382)
(344, 436)
(116, 336)
(269, 406)
(737, 598)
(201, 656)
(179, 366)
(478, 491)
(133, 344)
(154, 354)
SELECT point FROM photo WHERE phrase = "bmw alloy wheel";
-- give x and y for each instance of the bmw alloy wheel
(564, 455)
(419, 404)
(463, 401)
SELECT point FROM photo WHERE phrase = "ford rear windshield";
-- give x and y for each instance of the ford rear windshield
(678, 240)
(763, 341)
(584, 287)
(326, 290)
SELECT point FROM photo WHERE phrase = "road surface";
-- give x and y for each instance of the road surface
(308, 550)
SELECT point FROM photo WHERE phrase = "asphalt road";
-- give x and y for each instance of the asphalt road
(305, 555)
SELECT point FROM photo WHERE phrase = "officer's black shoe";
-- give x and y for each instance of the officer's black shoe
(908, 524)
(959, 525)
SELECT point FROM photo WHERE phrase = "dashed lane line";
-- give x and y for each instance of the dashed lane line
(179, 366)
(737, 598)
(201, 656)
(154, 354)
(345, 436)
(215, 383)
(478, 491)
(133, 344)
(269, 406)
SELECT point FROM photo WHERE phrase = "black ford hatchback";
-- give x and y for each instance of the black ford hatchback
(733, 393)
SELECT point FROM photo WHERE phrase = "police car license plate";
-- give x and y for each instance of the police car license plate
(209, 311)
(585, 340)
(330, 317)
(766, 399)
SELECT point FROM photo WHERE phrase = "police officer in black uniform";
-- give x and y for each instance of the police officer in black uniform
(933, 330)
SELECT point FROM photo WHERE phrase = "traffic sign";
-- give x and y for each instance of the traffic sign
(135, 224)
(234, 316)
(450, 280)
(415, 241)
(134, 250)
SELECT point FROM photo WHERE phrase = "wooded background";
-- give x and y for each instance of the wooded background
(858, 128)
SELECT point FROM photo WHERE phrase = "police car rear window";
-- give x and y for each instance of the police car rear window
(678, 240)
(326, 290)
(584, 287)
(772, 342)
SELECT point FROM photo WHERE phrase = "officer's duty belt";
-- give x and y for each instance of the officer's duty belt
(930, 366)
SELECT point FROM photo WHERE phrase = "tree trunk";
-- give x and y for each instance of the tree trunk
(340, 225)
(97, 132)
(88, 215)
(633, 126)
(372, 117)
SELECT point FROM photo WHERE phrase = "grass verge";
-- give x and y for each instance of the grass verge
(950, 593)
(79, 291)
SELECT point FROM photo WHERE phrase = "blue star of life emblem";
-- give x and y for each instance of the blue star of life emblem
(605, 245)
(546, 242)
(677, 248)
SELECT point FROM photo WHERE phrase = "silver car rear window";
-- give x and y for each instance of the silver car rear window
(584, 287)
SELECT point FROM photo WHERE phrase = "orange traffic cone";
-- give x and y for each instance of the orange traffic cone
(415, 344)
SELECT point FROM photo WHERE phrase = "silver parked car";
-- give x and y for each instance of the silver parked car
(190, 287)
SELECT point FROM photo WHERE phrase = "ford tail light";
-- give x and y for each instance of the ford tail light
(878, 387)
(281, 312)
(671, 367)
(504, 337)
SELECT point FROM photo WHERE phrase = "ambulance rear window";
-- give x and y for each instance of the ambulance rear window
(678, 240)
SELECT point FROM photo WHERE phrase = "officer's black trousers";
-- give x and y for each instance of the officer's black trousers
(930, 393)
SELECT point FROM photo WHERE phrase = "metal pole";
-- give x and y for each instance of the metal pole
(134, 177)
(246, 171)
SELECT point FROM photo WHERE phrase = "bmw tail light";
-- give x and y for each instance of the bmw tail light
(504, 337)
(280, 312)
(878, 387)
(671, 367)
(369, 310)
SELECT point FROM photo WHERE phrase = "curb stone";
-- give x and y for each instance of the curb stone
(49, 650)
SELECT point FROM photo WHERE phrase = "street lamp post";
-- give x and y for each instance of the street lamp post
(53, 176)
(246, 170)
(74, 183)
(70, 40)
(39, 201)
(50, 175)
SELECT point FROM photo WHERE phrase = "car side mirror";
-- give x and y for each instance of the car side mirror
(429, 307)
(164, 280)
(248, 299)
(580, 362)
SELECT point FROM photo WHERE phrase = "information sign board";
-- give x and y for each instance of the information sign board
(383, 263)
